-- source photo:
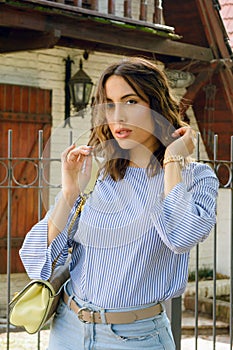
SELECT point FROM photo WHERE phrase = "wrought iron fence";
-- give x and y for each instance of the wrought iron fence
(227, 166)
(9, 182)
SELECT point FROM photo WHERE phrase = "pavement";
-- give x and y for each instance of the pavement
(24, 341)
(205, 334)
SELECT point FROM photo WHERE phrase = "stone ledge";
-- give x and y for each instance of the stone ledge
(204, 324)
(206, 288)
(205, 307)
(205, 298)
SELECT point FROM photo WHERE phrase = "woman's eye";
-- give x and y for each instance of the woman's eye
(130, 102)
(110, 105)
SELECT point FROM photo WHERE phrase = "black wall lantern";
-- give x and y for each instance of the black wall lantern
(77, 89)
(80, 88)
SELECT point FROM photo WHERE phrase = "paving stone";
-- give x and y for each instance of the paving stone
(24, 341)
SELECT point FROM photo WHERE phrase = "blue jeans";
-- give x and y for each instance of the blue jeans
(69, 333)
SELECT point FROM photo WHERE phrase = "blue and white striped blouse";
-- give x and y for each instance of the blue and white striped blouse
(130, 244)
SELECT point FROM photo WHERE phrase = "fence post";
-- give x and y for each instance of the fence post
(231, 273)
(176, 321)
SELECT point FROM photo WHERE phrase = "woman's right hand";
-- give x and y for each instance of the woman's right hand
(76, 170)
(183, 144)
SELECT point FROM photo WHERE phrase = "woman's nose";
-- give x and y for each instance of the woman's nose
(119, 112)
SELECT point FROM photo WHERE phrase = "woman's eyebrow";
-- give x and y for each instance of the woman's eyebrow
(123, 97)
(128, 95)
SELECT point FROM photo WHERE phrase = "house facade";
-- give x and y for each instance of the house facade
(34, 47)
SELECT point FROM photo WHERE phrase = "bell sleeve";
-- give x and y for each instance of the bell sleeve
(187, 214)
(37, 257)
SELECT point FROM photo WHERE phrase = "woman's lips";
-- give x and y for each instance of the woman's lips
(122, 133)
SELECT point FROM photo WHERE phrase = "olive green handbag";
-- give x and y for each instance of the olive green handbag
(33, 306)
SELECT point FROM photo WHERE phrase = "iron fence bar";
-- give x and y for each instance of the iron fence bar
(40, 170)
(9, 210)
(215, 254)
(197, 262)
(231, 252)
(22, 186)
(26, 158)
(196, 297)
(71, 140)
(40, 182)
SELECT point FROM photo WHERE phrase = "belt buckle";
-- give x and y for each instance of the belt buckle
(80, 314)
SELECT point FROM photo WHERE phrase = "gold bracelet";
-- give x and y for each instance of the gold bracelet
(179, 159)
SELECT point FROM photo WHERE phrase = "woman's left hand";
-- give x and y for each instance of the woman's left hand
(76, 170)
(184, 143)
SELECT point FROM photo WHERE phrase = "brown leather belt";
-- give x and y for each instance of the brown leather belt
(87, 315)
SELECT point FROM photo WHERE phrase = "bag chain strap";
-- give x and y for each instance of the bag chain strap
(76, 214)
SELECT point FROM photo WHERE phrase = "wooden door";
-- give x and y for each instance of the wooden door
(25, 110)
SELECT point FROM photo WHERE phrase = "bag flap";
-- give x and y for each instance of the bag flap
(30, 307)
(38, 282)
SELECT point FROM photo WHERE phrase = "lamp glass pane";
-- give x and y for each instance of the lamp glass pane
(78, 92)
(88, 88)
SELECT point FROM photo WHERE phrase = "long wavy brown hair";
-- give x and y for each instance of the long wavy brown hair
(146, 79)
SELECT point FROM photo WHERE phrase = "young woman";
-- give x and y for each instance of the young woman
(150, 205)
